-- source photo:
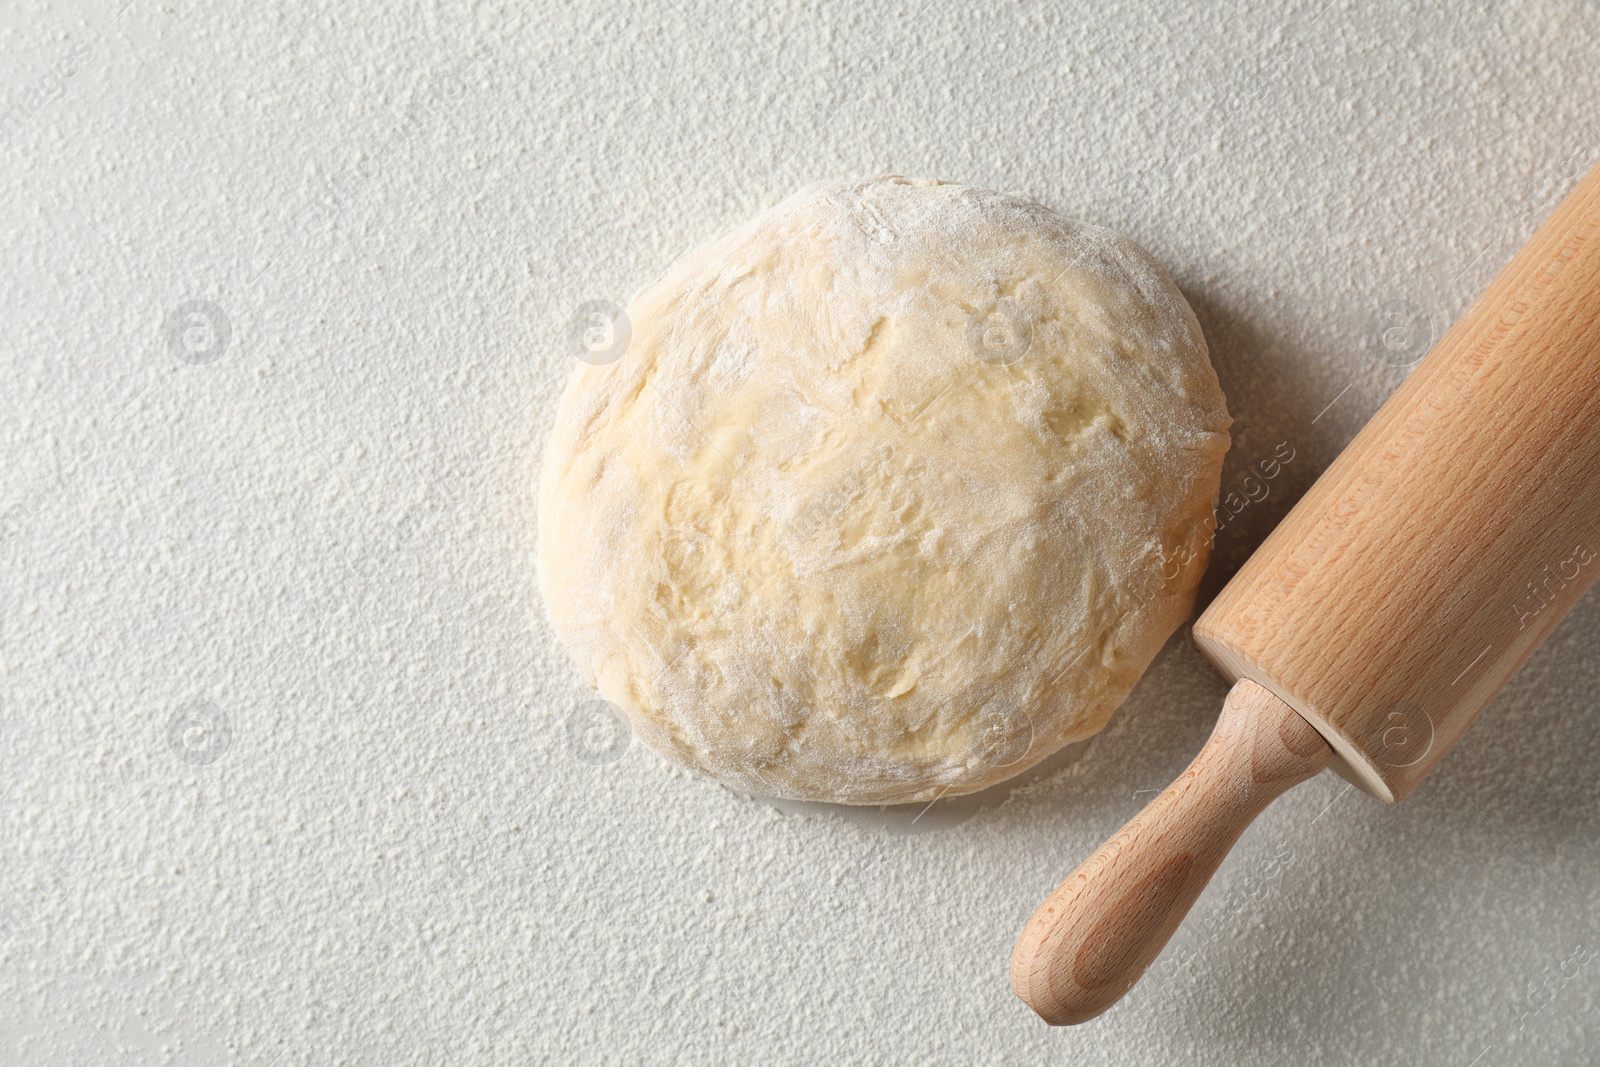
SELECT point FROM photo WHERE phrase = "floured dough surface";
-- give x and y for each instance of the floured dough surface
(895, 491)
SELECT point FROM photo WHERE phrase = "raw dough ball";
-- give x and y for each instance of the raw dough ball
(894, 492)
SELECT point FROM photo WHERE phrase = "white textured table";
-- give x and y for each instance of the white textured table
(316, 533)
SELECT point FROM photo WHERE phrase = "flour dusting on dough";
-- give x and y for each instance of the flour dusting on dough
(818, 545)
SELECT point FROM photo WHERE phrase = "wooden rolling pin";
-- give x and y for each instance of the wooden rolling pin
(1381, 616)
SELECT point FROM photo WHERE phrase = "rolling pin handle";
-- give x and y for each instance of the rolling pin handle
(1097, 933)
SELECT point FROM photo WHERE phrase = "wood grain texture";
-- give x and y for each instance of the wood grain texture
(1450, 537)
(1103, 926)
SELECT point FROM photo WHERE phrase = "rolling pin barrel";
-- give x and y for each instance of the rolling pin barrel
(1449, 538)
(1385, 611)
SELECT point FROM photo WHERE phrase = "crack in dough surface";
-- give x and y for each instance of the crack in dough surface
(895, 491)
